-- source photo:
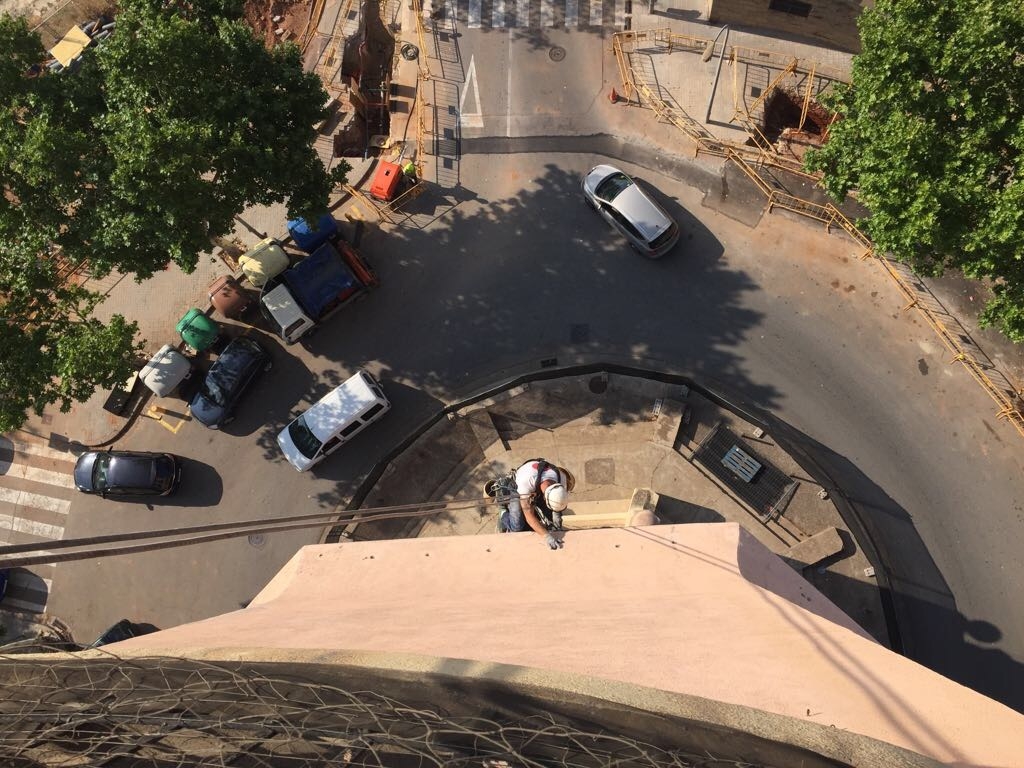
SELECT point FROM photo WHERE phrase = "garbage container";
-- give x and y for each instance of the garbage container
(197, 330)
(165, 371)
(228, 297)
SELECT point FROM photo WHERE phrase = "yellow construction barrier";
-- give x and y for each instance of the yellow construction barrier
(1006, 394)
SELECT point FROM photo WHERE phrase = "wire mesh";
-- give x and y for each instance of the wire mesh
(163, 711)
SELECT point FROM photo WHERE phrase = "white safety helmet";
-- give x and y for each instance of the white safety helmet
(556, 497)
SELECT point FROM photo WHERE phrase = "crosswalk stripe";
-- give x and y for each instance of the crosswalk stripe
(522, 13)
(620, 16)
(37, 449)
(474, 14)
(547, 13)
(572, 13)
(34, 500)
(498, 13)
(23, 585)
(596, 13)
(24, 605)
(35, 475)
(31, 527)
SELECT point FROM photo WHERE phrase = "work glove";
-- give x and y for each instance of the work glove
(556, 520)
(552, 542)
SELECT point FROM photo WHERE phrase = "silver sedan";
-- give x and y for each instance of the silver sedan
(619, 199)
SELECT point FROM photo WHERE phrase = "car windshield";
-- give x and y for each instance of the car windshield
(611, 187)
(100, 471)
(303, 437)
(212, 390)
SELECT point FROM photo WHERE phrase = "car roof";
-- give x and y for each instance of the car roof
(341, 405)
(130, 471)
(642, 212)
(234, 359)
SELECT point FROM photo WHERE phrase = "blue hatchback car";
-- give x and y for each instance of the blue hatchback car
(127, 473)
(228, 377)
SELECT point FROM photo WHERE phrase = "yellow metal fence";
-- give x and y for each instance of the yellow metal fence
(1004, 392)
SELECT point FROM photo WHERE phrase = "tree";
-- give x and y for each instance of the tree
(931, 133)
(149, 149)
(140, 156)
(53, 351)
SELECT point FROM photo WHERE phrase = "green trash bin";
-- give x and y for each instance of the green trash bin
(197, 330)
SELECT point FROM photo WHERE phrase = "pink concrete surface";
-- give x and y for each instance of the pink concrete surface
(703, 610)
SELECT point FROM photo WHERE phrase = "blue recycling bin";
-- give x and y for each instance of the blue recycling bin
(309, 238)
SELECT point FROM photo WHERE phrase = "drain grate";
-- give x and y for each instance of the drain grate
(760, 484)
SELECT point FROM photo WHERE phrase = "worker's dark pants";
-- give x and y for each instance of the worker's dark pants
(512, 519)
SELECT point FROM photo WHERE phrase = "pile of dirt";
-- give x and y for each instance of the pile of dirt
(276, 21)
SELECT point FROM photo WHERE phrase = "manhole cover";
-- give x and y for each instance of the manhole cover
(557, 53)
(599, 472)
(598, 385)
(257, 540)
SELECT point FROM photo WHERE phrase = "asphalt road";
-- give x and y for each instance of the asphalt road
(509, 268)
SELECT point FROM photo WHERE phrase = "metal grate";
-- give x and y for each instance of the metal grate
(758, 483)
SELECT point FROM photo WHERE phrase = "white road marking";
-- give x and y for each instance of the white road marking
(547, 13)
(522, 13)
(620, 16)
(37, 449)
(426, 8)
(596, 13)
(24, 605)
(25, 472)
(27, 583)
(471, 119)
(31, 527)
(34, 500)
(498, 14)
(474, 14)
(572, 13)
(508, 94)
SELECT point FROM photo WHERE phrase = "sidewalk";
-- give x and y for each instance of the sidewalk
(156, 305)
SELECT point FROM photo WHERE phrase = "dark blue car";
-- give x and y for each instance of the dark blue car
(227, 379)
(127, 473)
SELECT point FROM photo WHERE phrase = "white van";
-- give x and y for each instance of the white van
(333, 421)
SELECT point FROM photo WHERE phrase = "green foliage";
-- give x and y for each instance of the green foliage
(53, 352)
(172, 127)
(931, 136)
(141, 156)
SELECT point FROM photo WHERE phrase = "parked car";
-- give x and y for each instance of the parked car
(624, 205)
(333, 421)
(127, 473)
(228, 377)
(123, 630)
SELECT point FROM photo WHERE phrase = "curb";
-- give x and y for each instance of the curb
(778, 428)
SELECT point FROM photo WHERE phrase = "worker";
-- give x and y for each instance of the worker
(543, 494)
(409, 171)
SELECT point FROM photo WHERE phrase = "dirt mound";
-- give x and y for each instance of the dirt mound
(266, 17)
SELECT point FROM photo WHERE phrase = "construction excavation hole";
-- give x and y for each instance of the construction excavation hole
(782, 113)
